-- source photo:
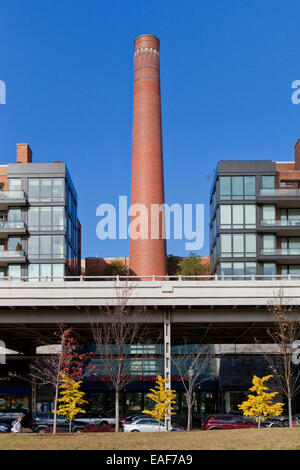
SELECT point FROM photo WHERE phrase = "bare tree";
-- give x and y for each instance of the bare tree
(122, 340)
(193, 363)
(48, 370)
(283, 333)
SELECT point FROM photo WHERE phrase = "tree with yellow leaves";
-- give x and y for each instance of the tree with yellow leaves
(163, 399)
(261, 406)
(71, 398)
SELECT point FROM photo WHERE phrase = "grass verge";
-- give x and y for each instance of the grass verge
(240, 439)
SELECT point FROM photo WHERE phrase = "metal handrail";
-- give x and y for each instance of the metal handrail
(281, 251)
(280, 192)
(208, 277)
(11, 225)
(6, 195)
(12, 254)
(281, 223)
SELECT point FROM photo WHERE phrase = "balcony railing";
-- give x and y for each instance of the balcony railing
(12, 254)
(280, 192)
(281, 223)
(281, 251)
(11, 195)
(12, 225)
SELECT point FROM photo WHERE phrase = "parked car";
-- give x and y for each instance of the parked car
(4, 427)
(279, 422)
(227, 422)
(8, 416)
(146, 425)
(43, 422)
(130, 419)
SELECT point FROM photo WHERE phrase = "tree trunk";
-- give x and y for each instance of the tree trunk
(55, 409)
(117, 426)
(290, 411)
(70, 425)
(189, 413)
(259, 419)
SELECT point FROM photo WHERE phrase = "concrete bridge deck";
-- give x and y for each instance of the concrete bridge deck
(212, 311)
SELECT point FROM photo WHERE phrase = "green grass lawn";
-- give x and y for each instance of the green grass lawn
(267, 439)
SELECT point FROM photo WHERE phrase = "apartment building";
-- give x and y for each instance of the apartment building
(39, 230)
(255, 218)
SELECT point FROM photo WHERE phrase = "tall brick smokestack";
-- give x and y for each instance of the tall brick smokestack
(148, 255)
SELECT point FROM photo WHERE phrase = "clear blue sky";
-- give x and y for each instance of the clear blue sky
(226, 73)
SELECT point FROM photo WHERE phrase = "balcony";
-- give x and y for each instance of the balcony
(280, 255)
(282, 197)
(282, 227)
(12, 228)
(12, 198)
(12, 257)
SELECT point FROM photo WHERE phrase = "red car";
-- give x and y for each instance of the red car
(227, 422)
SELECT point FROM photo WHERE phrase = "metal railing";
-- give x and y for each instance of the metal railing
(281, 251)
(280, 192)
(12, 225)
(11, 195)
(12, 254)
(281, 223)
(134, 279)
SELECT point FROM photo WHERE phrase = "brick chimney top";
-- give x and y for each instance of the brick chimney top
(145, 42)
(24, 153)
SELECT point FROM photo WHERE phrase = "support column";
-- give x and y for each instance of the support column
(167, 357)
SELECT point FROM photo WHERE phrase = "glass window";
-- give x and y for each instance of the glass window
(45, 270)
(14, 272)
(33, 189)
(250, 242)
(268, 182)
(238, 216)
(238, 245)
(250, 269)
(292, 269)
(269, 243)
(45, 246)
(290, 245)
(58, 189)
(33, 246)
(58, 246)
(45, 189)
(225, 216)
(249, 187)
(45, 218)
(225, 245)
(33, 272)
(14, 214)
(269, 214)
(226, 269)
(269, 269)
(238, 270)
(58, 218)
(237, 187)
(14, 184)
(1, 272)
(33, 218)
(58, 272)
(14, 244)
(250, 216)
(225, 191)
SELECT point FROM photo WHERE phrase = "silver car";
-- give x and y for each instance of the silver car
(146, 425)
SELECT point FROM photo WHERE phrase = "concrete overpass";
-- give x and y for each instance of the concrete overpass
(204, 311)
